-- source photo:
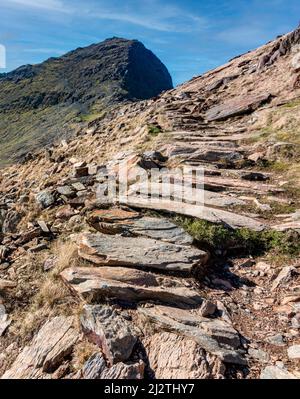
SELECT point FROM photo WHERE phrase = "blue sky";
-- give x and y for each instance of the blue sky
(189, 36)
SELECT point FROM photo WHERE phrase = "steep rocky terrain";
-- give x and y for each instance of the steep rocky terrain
(140, 287)
(41, 103)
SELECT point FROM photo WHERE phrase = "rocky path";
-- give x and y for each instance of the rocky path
(150, 299)
(128, 292)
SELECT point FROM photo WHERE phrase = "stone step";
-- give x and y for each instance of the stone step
(187, 194)
(231, 219)
(159, 229)
(128, 285)
(140, 252)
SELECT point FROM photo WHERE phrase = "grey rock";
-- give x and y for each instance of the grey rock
(110, 331)
(294, 352)
(276, 373)
(130, 285)
(213, 335)
(11, 222)
(207, 308)
(45, 199)
(137, 251)
(237, 106)
(260, 355)
(283, 277)
(296, 321)
(276, 340)
(66, 191)
(4, 320)
(95, 369)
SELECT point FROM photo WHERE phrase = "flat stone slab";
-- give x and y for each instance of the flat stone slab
(186, 194)
(157, 228)
(146, 253)
(49, 347)
(213, 335)
(236, 106)
(212, 215)
(110, 331)
(129, 285)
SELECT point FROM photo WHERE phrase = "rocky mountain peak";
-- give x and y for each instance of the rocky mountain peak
(40, 103)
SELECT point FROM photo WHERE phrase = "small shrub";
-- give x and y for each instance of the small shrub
(154, 130)
(249, 242)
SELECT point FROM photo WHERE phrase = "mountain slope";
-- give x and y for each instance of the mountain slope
(39, 103)
(127, 290)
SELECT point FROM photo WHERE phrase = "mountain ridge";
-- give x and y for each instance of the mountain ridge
(64, 90)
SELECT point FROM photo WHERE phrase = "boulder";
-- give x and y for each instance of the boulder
(45, 199)
(110, 331)
(213, 335)
(172, 356)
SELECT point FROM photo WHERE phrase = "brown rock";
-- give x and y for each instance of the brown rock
(127, 285)
(47, 350)
(95, 369)
(6, 284)
(213, 335)
(172, 356)
(110, 331)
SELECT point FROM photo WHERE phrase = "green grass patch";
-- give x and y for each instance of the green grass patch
(154, 130)
(249, 242)
(91, 117)
(292, 104)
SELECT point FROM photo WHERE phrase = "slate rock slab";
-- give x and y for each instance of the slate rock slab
(139, 252)
(237, 106)
(95, 284)
(162, 229)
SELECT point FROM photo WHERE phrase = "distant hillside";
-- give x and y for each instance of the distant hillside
(39, 103)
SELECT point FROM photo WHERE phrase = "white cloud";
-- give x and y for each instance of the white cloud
(44, 51)
(50, 5)
(150, 14)
(245, 35)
